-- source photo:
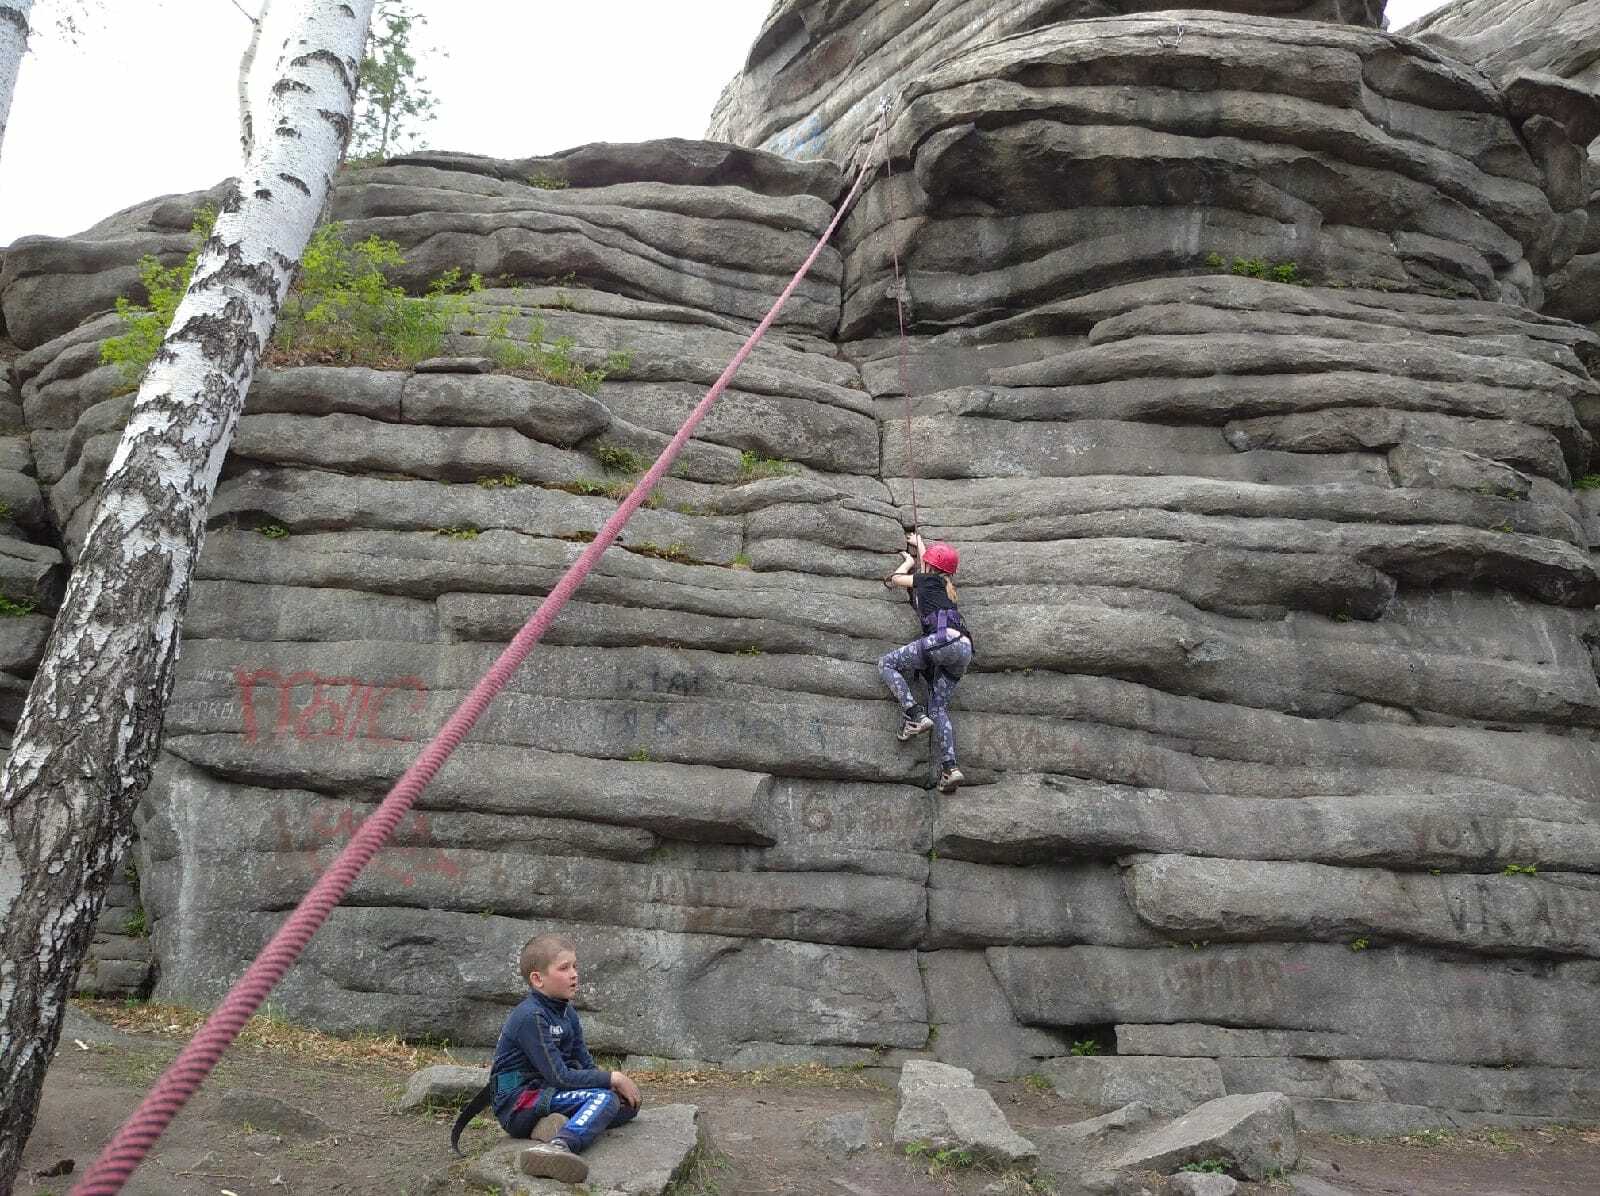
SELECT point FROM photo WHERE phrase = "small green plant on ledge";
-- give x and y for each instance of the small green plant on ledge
(1206, 1167)
(618, 459)
(136, 925)
(11, 608)
(678, 553)
(547, 182)
(552, 361)
(1520, 870)
(273, 531)
(457, 533)
(1589, 481)
(639, 756)
(1086, 1046)
(1360, 944)
(1255, 267)
(500, 481)
(753, 466)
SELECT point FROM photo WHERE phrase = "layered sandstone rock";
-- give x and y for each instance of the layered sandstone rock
(820, 72)
(1280, 739)
(1545, 51)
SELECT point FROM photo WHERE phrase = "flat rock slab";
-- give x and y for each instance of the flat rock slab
(843, 1134)
(1166, 1086)
(942, 1107)
(1252, 1134)
(641, 1158)
(1074, 1149)
(269, 1115)
(445, 1084)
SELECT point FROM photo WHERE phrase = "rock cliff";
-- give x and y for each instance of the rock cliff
(1231, 384)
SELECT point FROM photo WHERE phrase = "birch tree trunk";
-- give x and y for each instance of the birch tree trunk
(92, 723)
(247, 135)
(13, 44)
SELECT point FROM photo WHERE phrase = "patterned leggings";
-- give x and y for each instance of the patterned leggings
(949, 652)
(588, 1111)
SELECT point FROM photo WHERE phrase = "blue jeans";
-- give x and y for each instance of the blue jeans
(947, 654)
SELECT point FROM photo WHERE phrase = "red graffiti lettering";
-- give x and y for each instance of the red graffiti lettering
(326, 713)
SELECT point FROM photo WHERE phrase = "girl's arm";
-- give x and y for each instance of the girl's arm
(901, 577)
(914, 542)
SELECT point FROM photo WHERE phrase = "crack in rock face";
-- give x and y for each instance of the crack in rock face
(1250, 372)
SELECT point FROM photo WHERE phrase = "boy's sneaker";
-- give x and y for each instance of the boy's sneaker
(915, 723)
(949, 777)
(554, 1160)
(548, 1126)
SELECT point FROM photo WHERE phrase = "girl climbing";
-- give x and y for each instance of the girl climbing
(942, 654)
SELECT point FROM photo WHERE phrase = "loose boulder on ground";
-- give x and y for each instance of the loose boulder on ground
(443, 1085)
(941, 1107)
(1254, 1136)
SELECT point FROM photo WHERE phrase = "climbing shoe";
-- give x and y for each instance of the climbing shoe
(554, 1160)
(949, 777)
(548, 1126)
(915, 723)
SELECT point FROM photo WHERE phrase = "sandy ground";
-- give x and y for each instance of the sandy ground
(759, 1131)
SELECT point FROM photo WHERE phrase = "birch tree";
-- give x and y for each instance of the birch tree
(13, 45)
(92, 723)
(247, 133)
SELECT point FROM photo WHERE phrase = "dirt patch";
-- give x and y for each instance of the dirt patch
(760, 1129)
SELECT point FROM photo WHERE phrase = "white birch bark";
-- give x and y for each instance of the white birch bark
(92, 723)
(13, 45)
(247, 137)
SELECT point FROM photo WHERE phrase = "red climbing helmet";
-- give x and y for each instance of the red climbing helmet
(942, 557)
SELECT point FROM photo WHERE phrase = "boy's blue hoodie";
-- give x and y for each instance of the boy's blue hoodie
(541, 1050)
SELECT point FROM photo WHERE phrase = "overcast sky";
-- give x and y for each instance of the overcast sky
(144, 103)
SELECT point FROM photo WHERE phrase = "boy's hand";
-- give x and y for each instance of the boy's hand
(625, 1088)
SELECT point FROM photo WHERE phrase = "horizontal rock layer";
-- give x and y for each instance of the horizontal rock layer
(818, 74)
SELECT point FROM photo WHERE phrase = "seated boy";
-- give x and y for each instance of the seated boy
(542, 1067)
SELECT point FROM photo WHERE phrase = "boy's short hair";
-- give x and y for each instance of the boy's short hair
(540, 952)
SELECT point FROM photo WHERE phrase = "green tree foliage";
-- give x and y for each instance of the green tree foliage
(145, 327)
(392, 99)
(344, 310)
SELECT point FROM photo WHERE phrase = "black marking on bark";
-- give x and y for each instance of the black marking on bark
(287, 130)
(262, 193)
(327, 56)
(340, 122)
(14, 15)
(284, 86)
(232, 198)
(348, 11)
(295, 183)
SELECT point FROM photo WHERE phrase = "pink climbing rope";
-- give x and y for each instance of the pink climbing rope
(133, 1140)
(900, 310)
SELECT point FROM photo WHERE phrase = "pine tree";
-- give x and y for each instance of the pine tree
(394, 98)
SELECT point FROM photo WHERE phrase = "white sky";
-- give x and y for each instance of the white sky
(144, 104)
